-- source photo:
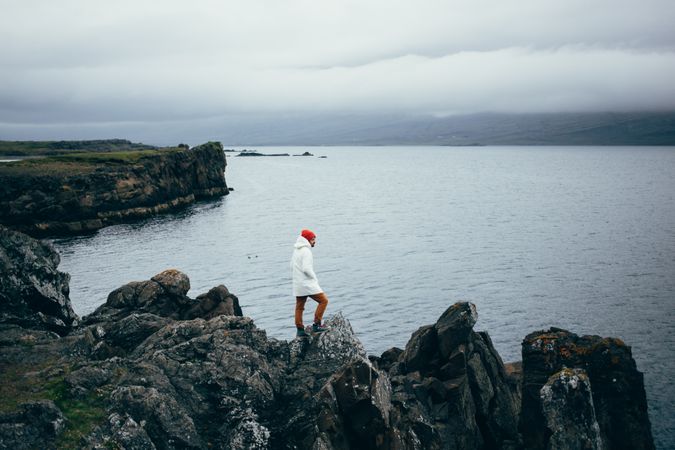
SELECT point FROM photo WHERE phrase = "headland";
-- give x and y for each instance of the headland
(77, 187)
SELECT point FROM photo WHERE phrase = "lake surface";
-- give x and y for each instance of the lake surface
(581, 238)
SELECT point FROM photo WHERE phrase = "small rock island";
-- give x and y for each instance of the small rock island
(73, 187)
(155, 369)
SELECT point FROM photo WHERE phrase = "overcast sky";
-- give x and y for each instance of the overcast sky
(87, 63)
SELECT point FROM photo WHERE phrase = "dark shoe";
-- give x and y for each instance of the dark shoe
(301, 333)
(318, 328)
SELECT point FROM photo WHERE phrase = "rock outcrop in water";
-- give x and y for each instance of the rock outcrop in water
(154, 368)
(619, 399)
(100, 192)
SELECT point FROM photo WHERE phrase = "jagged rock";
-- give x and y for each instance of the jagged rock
(312, 362)
(243, 430)
(33, 293)
(337, 346)
(175, 372)
(85, 379)
(567, 405)
(618, 387)
(497, 406)
(514, 376)
(456, 393)
(388, 358)
(427, 400)
(455, 326)
(421, 348)
(34, 425)
(165, 420)
(354, 408)
(225, 371)
(129, 332)
(164, 295)
(218, 301)
(120, 431)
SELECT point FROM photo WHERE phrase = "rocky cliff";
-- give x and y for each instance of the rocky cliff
(34, 293)
(154, 368)
(83, 192)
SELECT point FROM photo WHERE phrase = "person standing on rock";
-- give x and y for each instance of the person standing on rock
(305, 283)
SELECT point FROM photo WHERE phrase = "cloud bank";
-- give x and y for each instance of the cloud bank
(82, 62)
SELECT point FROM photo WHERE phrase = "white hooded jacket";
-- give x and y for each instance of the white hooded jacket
(302, 268)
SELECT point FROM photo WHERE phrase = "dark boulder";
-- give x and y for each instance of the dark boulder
(387, 359)
(455, 326)
(165, 295)
(617, 386)
(218, 301)
(451, 389)
(173, 282)
(33, 293)
(354, 409)
(421, 349)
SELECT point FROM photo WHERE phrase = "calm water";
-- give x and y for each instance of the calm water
(581, 238)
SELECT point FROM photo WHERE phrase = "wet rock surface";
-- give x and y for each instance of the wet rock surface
(155, 368)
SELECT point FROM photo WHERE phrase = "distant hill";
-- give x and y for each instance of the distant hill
(477, 129)
(300, 129)
(51, 148)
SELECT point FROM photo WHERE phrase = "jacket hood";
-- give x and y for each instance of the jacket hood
(302, 242)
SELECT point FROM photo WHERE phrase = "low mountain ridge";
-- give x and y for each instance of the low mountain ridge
(476, 129)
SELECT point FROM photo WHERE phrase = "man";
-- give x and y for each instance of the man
(305, 283)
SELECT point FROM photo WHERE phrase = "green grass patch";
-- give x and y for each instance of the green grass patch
(18, 384)
(21, 384)
(78, 163)
(83, 414)
(45, 148)
(126, 157)
(46, 166)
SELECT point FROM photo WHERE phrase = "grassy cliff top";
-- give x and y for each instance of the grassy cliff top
(49, 148)
(82, 162)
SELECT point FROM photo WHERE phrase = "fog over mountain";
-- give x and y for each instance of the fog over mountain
(143, 70)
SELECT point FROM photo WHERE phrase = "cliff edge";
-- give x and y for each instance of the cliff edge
(81, 192)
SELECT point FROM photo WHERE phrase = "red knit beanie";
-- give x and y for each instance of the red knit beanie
(308, 234)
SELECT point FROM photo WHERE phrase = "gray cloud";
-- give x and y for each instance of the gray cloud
(81, 62)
